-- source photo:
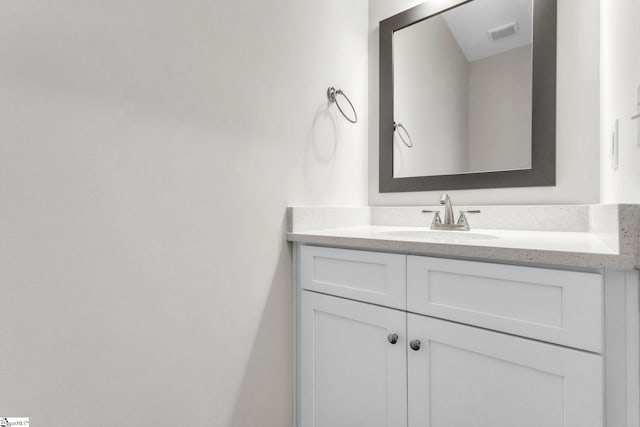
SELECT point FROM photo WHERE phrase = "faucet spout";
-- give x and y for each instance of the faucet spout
(448, 209)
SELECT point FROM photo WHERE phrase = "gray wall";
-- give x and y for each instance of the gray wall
(431, 98)
(500, 111)
(147, 152)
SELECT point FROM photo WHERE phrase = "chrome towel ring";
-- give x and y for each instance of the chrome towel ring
(397, 127)
(332, 92)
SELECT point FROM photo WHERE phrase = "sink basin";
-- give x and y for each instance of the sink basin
(439, 236)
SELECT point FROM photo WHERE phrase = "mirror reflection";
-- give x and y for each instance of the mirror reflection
(462, 90)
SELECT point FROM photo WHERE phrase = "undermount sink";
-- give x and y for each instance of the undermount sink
(440, 236)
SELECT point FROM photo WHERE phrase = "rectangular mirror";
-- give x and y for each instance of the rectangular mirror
(467, 95)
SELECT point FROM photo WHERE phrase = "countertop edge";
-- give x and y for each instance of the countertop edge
(527, 256)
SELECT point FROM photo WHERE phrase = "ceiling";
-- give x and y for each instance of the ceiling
(471, 22)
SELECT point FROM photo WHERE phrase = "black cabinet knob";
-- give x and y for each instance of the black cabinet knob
(415, 345)
(393, 338)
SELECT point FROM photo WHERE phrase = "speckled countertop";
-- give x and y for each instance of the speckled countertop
(598, 236)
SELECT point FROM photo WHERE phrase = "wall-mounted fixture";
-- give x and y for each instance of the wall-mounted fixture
(400, 129)
(482, 111)
(499, 33)
(332, 93)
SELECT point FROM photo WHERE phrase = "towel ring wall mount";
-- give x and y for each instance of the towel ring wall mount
(399, 128)
(332, 94)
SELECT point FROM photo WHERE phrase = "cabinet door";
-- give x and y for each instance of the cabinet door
(351, 374)
(469, 377)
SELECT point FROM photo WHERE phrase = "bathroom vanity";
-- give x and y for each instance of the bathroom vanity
(399, 327)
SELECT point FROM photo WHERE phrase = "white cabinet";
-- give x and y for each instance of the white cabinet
(464, 376)
(378, 278)
(563, 307)
(351, 374)
(500, 345)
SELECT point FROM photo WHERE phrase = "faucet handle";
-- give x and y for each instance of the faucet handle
(462, 220)
(436, 217)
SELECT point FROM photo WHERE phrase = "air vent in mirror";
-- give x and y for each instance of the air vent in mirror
(503, 31)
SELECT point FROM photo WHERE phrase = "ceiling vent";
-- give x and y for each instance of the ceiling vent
(503, 31)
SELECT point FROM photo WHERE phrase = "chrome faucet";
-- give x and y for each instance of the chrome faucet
(448, 209)
(448, 223)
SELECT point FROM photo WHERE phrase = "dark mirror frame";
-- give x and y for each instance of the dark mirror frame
(543, 126)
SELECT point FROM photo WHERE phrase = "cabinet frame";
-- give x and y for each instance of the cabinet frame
(621, 349)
